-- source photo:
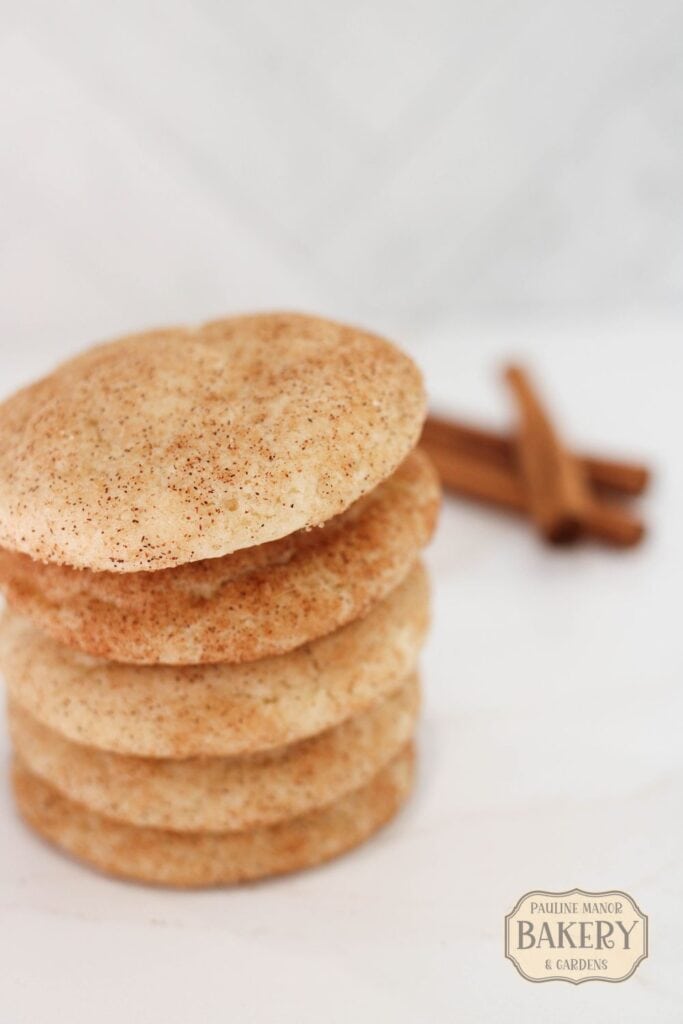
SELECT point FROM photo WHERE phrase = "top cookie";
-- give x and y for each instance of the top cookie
(183, 444)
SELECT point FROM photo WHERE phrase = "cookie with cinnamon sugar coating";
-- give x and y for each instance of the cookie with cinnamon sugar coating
(252, 604)
(219, 710)
(190, 443)
(217, 794)
(185, 859)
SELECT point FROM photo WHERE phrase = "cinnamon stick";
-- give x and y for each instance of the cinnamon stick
(482, 444)
(502, 487)
(478, 479)
(613, 524)
(556, 486)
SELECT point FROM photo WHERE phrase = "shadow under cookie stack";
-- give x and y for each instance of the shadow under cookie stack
(210, 554)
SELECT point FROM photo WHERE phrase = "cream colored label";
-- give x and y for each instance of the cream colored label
(576, 936)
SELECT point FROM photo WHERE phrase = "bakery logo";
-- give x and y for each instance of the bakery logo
(576, 936)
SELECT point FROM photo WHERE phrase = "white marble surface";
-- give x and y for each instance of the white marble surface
(550, 757)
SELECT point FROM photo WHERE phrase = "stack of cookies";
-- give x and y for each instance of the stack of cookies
(210, 553)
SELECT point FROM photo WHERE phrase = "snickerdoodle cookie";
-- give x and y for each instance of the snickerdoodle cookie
(215, 794)
(203, 858)
(221, 709)
(190, 443)
(254, 603)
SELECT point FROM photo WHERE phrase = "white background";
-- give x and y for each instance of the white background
(477, 179)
